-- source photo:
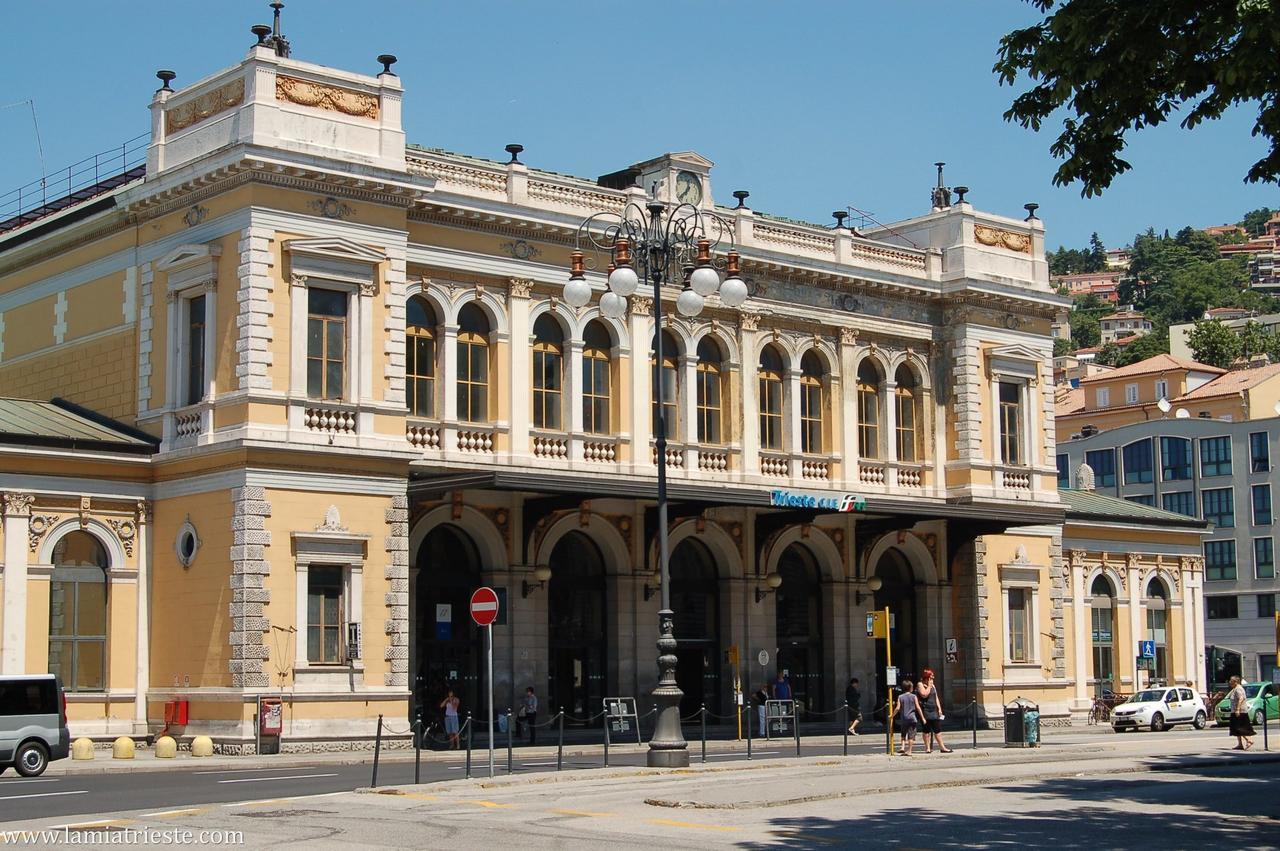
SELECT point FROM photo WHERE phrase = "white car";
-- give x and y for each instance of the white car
(1159, 709)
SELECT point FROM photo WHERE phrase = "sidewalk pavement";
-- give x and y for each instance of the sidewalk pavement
(146, 760)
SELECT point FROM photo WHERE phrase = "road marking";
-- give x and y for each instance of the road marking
(285, 800)
(257, 803)
(191, 811)
(42, 795)
(795, 834)
(92, 825)
(739, 755)
(245, 770)
(673, 823)
(28, 780)
(493, 805)
(285, 777)
(582, 813)
(422, 796)
(532, 764)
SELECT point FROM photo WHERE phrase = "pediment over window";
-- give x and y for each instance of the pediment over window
(190, 264)
(335, 248)
(1014, 361)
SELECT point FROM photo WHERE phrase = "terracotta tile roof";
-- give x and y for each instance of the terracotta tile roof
(1232, 383)
(1070, 402)
(1155, 365)
(1123, 314)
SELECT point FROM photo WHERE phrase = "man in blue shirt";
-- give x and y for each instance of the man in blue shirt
(781, 688)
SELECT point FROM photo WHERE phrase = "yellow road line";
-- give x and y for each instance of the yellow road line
(493, 805)
(581, 813)
(422, 796)
(695, 825)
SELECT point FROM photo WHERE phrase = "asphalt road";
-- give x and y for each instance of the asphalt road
(76, 794)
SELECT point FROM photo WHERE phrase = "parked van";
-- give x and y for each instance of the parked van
(33, 723)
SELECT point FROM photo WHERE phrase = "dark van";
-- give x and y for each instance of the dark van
(33, 723)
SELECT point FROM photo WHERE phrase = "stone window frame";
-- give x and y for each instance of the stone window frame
(192, 271)
(1025, 577)
(329, 548)
(1020, 366)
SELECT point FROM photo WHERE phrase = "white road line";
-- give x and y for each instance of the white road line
(537, 763)
(275, 800)
(285, 777)
(739, 755)
(245, 770)
(42, 795)
(29, 780)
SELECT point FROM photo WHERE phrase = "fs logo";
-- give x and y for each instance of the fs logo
(852, 502)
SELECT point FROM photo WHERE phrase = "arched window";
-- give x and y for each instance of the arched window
(710, 376)
(1157, 628)
(473, 364)
(665, 391)
(548, 371)
(420, 357)
(812, 404)
(905, 397)
(868, 409)
(596, 375)
(1102, 605)
(770, 379)
(78, 612)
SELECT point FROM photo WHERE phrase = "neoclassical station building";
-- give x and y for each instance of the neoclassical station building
(279, 398)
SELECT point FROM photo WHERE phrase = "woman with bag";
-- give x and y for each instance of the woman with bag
(931, 709)
(1240, 725)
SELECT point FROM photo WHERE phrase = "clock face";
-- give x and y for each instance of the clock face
(688, 188)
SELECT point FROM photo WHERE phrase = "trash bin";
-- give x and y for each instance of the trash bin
(1021, 724)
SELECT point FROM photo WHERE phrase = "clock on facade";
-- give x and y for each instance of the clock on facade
(688, 188)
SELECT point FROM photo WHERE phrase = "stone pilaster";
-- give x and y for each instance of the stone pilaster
(397, 599)
(146, 324)
(966, 381)
(253, 346)
(249, 596)
(1057, 593)
(395, 295)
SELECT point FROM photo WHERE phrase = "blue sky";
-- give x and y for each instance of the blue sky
(809, 106)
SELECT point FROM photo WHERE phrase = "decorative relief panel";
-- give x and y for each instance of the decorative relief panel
(198, 109)
(331, 98)
(1019, 242)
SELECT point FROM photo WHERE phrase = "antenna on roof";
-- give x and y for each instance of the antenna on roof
(1165, 407)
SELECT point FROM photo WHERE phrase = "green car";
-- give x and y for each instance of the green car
(1253, 693)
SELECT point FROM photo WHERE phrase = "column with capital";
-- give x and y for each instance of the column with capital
(142, 676)
(1079, 630)
(848, 438)
(1135, 616)
(13, 640)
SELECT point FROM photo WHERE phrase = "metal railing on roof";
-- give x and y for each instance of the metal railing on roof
(78, 182)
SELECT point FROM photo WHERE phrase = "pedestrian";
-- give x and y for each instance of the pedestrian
(1240, 725)
(931, 709)
(761, 697)
(908, 707)
(529, 712)
(853, 699)
(781, 688)
(450, 707)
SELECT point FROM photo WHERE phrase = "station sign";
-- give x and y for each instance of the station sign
(822, 502)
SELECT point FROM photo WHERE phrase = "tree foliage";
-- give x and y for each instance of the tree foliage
(1255, 221)
(1214, 343)
(1115, 66)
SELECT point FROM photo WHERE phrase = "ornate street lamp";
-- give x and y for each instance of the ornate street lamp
(659, 244)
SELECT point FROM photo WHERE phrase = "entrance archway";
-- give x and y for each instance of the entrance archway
(898, 592)
(576, 634)
(798, 617)
(695, 598)
(449, 644)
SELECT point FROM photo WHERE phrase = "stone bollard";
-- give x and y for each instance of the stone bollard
(166, 747)
(122, 748)
(202, 746)
(82, 748)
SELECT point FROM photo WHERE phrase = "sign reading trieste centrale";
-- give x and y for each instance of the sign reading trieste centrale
(844, 502)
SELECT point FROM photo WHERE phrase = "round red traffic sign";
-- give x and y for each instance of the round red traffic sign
(484, 606)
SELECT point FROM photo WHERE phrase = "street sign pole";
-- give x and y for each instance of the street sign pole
(888, 662)
(484, 611)
(488, 641)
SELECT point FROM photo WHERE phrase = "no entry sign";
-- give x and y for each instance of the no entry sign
(484, 606)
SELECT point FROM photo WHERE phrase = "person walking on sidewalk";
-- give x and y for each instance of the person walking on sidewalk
(450, 707)
(761, 697)
(1240, 725)
(853, 698)
(529, 712)
(931, 710)
(908, 708)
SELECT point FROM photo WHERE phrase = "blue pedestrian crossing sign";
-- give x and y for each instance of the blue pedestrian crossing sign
(1147, 649)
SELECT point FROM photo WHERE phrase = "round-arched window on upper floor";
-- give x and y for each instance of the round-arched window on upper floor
(812, 402)
(869, 382)
(473, 364)
(548, 372)
(906, 400)
(710, 373)
(597, 378)
(420, 357)
(769, 380)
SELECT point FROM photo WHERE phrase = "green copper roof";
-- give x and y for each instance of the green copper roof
(60, 423)
(1089, 505)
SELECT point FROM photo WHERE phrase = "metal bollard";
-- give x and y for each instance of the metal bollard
(795, 722)
(974, 722)
(1266, 745)
(847, 721)
(704, 732)
(509, 726)
(560, 746)
(749, 714)
(606, 740)
(377, 749)
(469, 731)
(417, 751)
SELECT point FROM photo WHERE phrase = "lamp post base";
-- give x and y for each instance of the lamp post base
(667, 748)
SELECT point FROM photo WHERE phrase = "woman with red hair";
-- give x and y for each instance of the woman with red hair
(931, 709)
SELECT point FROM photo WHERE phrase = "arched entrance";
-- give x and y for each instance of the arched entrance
(799, 625)
(449, 645)
(695, 599)
(576, 627)
(897, 591)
